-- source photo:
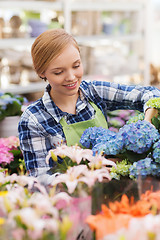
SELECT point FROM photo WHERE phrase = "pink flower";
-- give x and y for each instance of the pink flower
(7, 144)
(18, 234)
(71, 177)
(99, 161)
(42, 204)
(61, 200)
(91, 176)
(10, 142)
(5, 156)
(75, 153)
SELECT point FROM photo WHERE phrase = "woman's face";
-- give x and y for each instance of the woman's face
(64, 73)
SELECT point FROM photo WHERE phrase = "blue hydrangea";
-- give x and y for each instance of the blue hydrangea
(96, 135)
(156, 151)
(109, 147)
(144, 168)
(138, 137)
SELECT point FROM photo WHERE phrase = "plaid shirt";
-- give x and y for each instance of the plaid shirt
(39, 127)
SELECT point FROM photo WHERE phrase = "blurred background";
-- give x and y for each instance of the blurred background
(119, 40)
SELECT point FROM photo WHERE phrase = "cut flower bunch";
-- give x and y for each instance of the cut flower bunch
(28, 211)
(79, 166)
(127, 219)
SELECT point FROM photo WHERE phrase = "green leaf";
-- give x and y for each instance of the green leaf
(13, 109)
(132, 156)
(156, 122)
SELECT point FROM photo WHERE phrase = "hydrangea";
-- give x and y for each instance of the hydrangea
(121, 170)
(134, 119)
(109, 147)
(138, 137)
(144, 168)
(10, 105)
(94, 135)
(154, 103)
(156, 151)
(5, 155)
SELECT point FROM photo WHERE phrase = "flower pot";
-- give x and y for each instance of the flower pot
(9, 126)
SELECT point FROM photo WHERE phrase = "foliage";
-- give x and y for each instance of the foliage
(10, 105)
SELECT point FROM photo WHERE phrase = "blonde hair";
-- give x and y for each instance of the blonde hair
(48, 46)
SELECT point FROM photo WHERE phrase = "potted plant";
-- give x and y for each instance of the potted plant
(10, 112)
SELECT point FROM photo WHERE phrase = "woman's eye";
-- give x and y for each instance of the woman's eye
(58, 73)
(76, 66)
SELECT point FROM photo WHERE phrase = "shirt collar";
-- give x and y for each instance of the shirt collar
(56, 112)
(51, 107)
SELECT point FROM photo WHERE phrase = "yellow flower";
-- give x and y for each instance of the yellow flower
(65, 226)
(2, 221)
(3, 193)
(54, 157)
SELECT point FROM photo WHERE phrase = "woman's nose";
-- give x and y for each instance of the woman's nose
(70, 76)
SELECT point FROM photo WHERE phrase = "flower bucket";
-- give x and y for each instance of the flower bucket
(9, 126)
(111, 191)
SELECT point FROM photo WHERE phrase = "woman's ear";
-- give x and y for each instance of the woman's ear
(42, 76)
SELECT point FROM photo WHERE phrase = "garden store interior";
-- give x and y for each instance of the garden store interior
(119, 42)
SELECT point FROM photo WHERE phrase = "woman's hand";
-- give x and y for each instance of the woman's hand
(150, 113)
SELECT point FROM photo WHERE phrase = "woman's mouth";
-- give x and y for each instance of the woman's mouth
(71, 85)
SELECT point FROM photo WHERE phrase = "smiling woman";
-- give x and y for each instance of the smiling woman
(64, 75)
(69, 105)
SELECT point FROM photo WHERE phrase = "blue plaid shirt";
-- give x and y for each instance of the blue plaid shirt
(40, 129)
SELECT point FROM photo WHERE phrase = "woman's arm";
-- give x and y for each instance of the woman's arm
(119, 96)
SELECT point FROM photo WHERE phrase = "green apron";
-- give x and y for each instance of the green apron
(73, 132)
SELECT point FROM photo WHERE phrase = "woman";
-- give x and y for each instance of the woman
(69, 105)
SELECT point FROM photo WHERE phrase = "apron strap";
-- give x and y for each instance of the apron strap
(73, 132)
